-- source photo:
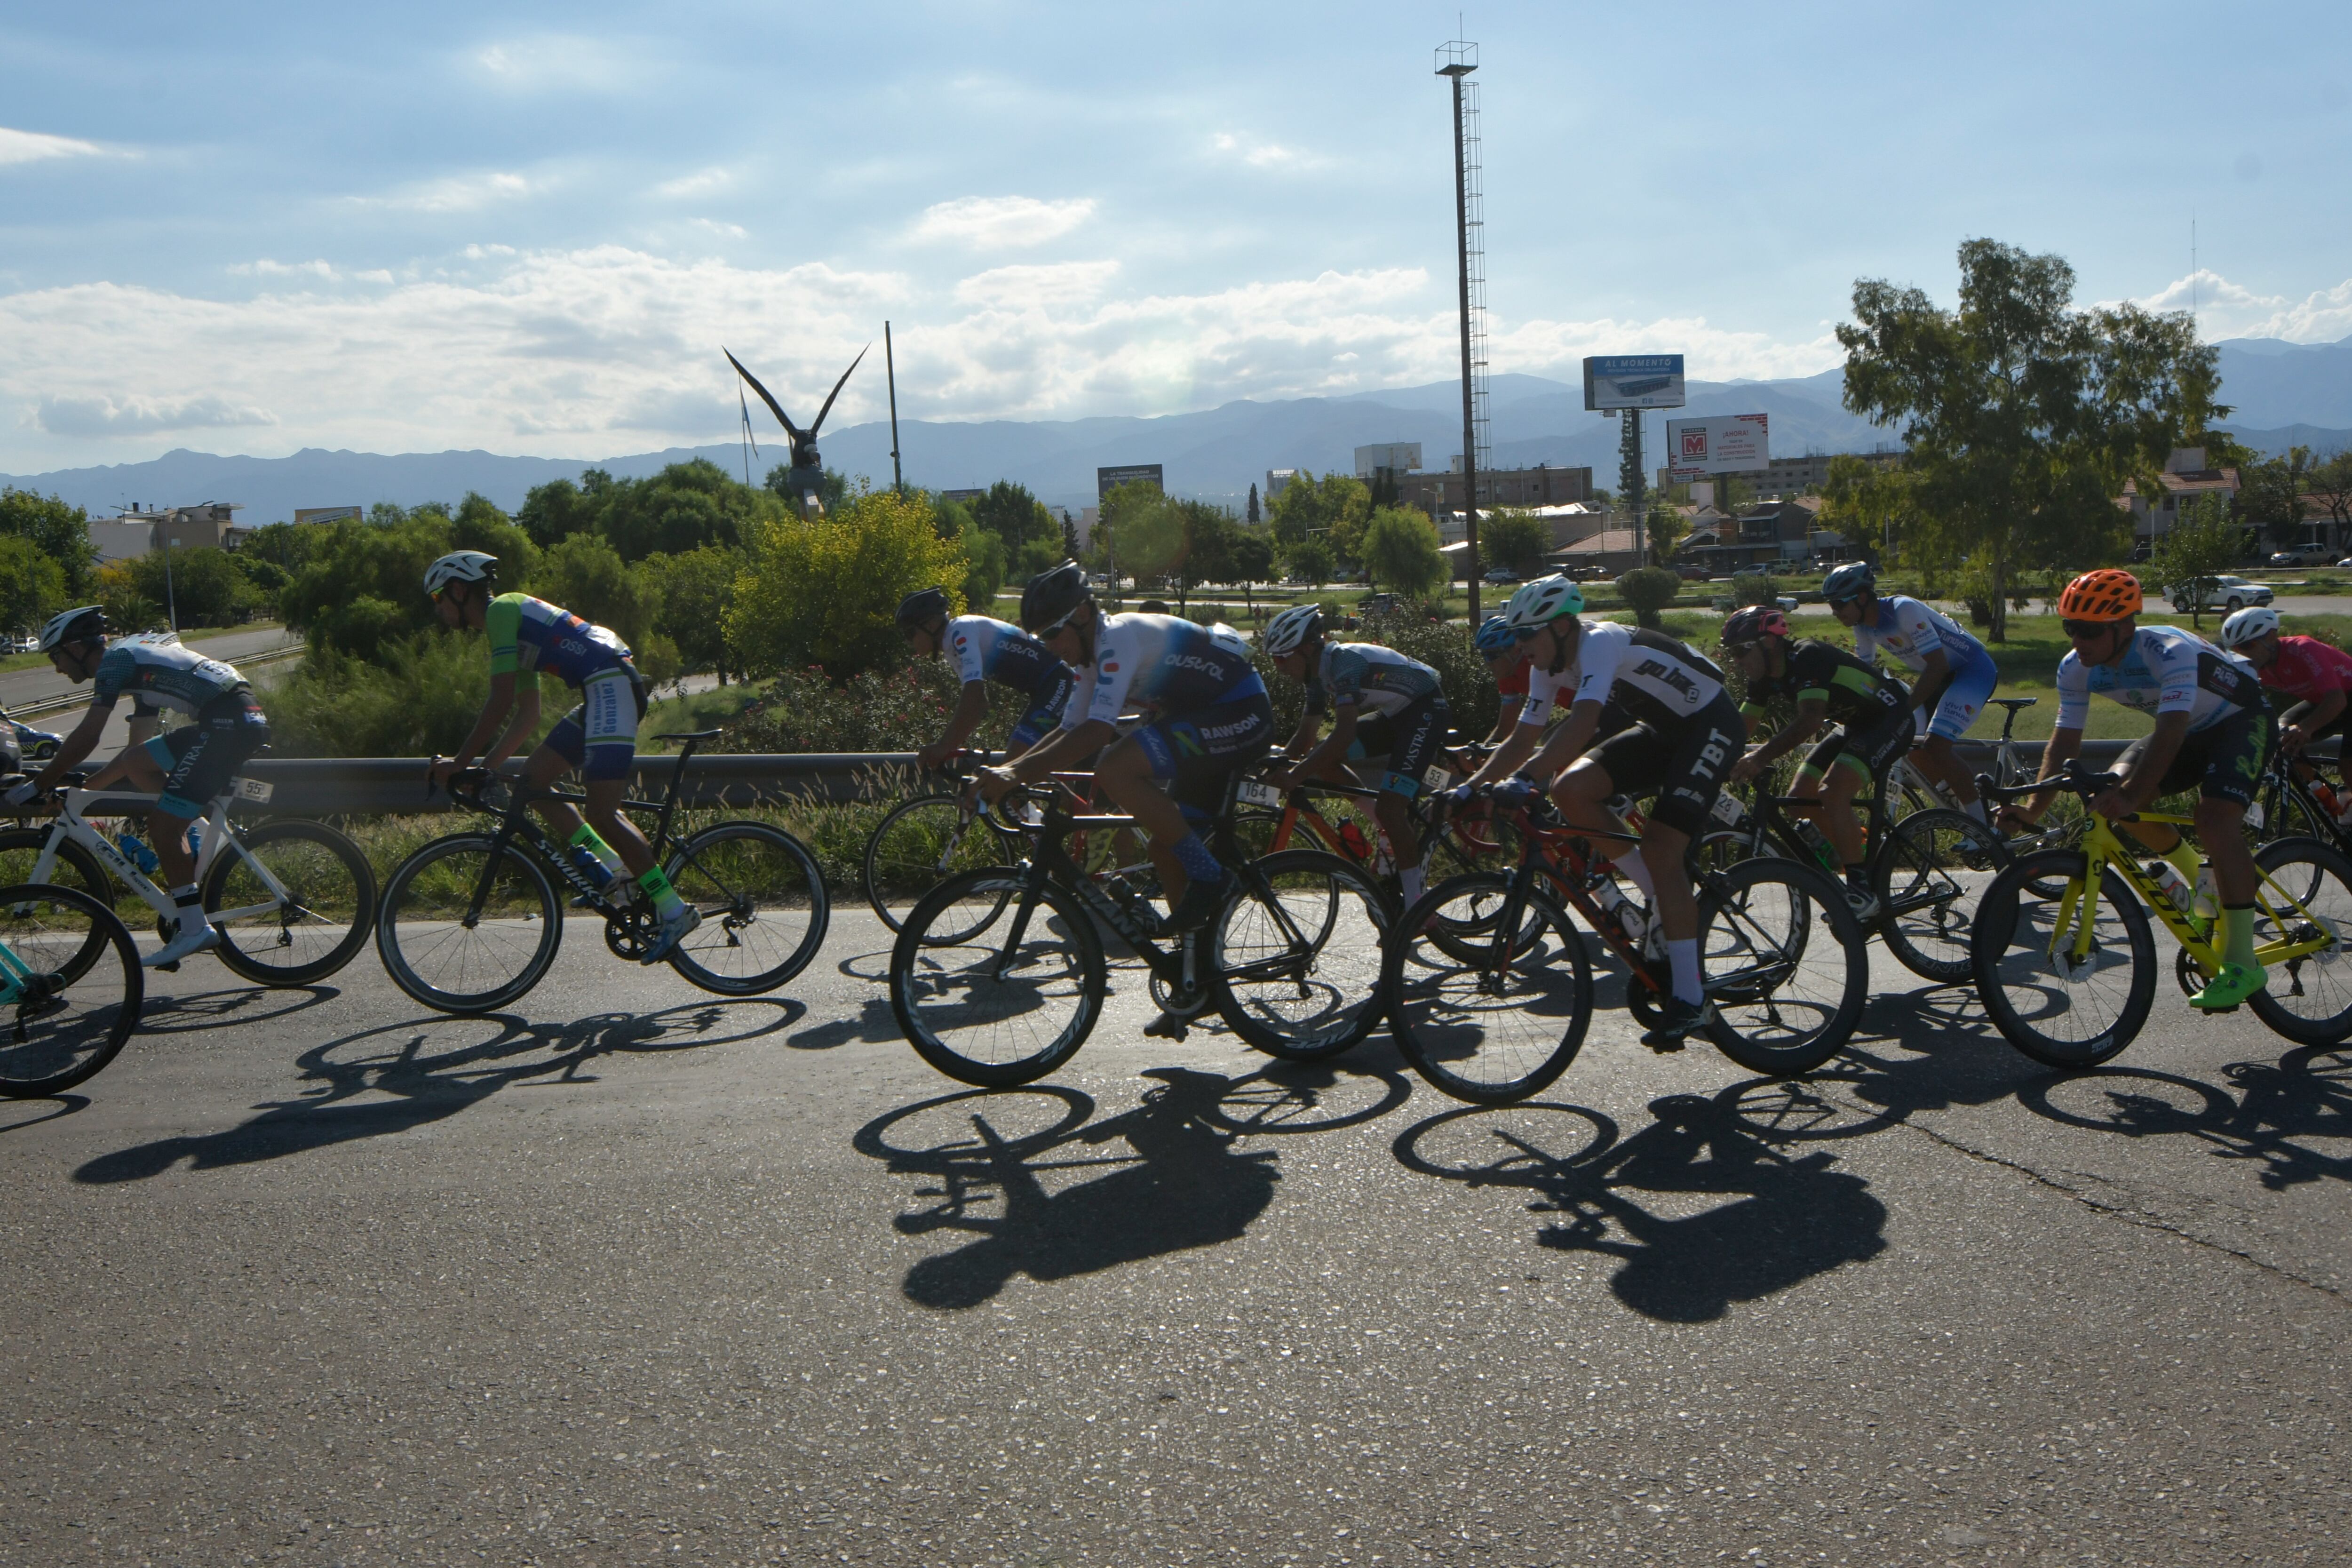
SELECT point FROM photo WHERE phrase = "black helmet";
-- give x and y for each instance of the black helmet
(922, 608)
(1051, 597)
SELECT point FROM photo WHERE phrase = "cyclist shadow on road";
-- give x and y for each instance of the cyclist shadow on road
(1787, 1219)
(193, 1012)
(1009, 1170)
(417, 1073)
(2278, 1120)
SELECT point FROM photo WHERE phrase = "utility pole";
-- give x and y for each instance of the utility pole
(1637, 478)
(890, 362)
(1456, 61)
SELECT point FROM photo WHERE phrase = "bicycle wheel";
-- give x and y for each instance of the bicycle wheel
(1007, 1009)
(1786, 965)
(1295, 954)
(70, 988)
(73, 866)
(919, 846)
(763, 904)
(1927, 878)
(1489, 1029)
(325, 916)
(2063, 1010)
(2307, 999)
(441, 953)
(2288, 812)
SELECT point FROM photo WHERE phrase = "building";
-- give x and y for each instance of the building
(329, 513)
(1277, 481)
(1765, 534)
(1604, 553)
(209, 525)
(1109, 479)
(1393, 458)
(960, 497)
(2184, 478)
(1785, 476)
(1541, 486)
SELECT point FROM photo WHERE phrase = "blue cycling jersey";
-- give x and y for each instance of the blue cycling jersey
(1368, 676)
(1909, 631)
(989, 649)
(2166, 671)
(1164, 665)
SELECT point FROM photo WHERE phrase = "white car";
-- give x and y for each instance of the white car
(2303, 555)
(2227, 593)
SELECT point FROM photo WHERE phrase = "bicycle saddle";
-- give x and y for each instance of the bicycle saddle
(2015, 702)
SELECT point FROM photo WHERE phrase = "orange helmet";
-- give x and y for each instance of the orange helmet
(2105, 594)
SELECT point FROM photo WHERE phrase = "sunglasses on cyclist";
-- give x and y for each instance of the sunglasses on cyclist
(1042, 633)
(2081, 629)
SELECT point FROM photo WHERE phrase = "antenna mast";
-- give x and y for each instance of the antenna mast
(890, 362)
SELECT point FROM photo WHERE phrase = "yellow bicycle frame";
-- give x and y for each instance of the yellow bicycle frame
(2101, 848)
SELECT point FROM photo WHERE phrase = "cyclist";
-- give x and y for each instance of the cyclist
(985, 649)
(2212, 731)
(1873, 714)
(1955, 672)
(1682, 733)
(1507, 662)
(1208, 716)
(185, 768)
(1382, 703)
(530, 637)
(2318, 675)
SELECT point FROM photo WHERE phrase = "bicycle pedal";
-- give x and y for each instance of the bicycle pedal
(170, 968)
(1168, 1026)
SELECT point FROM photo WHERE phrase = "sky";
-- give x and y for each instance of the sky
(247, 228)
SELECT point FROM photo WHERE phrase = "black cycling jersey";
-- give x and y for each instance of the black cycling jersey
(1858, 695)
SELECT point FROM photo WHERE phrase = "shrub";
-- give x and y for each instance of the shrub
(1752, 588)
(32, 584)
(588, 577)
(825, 590)
(1514, 538)
(1446, 647)
(366, 588)
(1401, 550)
(897, 709)
(691, 593)
(416, 697)
(1648, 590)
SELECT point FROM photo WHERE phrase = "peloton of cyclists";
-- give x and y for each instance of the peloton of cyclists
(2317, 675)
(1680, 735)
(1954, 673)
(1382, 705)
(2212, 731)
(1208, 716)
(985, 649)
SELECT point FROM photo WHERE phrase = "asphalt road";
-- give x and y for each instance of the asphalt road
(312, 1278)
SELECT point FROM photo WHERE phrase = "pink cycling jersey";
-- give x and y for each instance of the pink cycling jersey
(2307, 670)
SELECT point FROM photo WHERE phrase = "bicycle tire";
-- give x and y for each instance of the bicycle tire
(1333, 988)
(528, 898)
(2002, 966)
(85, 876)
(1771, 964)
(927, 976)
(241, 940)
(2324, 978)
(1925, 909)
(737, 892)
(2288, 813)
(1453, 1023)
(48, 1028)
(892, 865)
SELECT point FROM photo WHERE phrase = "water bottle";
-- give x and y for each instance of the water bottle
(134, 849)
(2176, 885)
(196, 839)
(2207, 902)
(1621, 908)
(1812, 840)
(585, 861)
(1353, 837)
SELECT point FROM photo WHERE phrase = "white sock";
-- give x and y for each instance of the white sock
(1630, 863)
(1410, 878)
(1683, 958)
(188, 909)
(1975, 808)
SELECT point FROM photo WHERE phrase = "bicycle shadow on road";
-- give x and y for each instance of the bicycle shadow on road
(1184, 1183)
(432, 1069)
(2279, 1111)
(194, 1012)
(1785, 1221)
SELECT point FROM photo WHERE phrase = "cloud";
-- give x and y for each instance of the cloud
(1264, 154)
(266, 268)
(558, 61)
(2227, 310)
(31, 146)
(102, 416)
(1053, 283)
(700, 184)
(456, 193)
(724, 230)
(1001, 223)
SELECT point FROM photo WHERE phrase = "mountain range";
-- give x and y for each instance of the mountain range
(2280, 394)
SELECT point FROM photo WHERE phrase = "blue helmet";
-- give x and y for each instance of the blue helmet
(1495, 636)
(1848, 582)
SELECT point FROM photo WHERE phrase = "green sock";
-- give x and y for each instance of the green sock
(665, 900)
(599, 848)
(2183, 857)
(2238, 941)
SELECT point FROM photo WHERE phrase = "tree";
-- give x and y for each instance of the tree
(1251, 516)
(1401, 549)
(205, 588)
(32, 584)
(1648, 590)
(1631, 480)
(1033, 540)
(2270, 495)
(365, 589)
(1518, 540)
(691, 593)
(588, 577)
(1666, 526)
(1864, 501)
(1336, 506)
(1155, 538)
(558, 509)
(2203, 543)
(825, 590)
(59, 530)
(2024, 416)
(2330, 485)
(832, 490)
(1309, 558)
(984, 566)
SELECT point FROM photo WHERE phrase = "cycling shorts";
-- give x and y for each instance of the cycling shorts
(1683, 766)
(1047, 701)
(1870, 753)
(2223, 761)
(1964, 698)
(199, 759)
(600, 736)
(1411, 738)
(1192, 755)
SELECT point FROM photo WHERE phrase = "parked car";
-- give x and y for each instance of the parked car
(34, 745)
(1692, 574)
(2303, 555)
(2228, 594)
(1377, 605)
(1500, 576)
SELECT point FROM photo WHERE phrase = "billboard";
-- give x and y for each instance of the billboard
(1727, 444)
(1632, 380)
(1109, 479)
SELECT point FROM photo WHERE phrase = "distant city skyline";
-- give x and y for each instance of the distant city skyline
(254, 228)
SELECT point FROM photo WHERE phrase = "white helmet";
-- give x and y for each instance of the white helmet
(2252, 622)
(74, 626)
(1538, 604)
(1284, 633)
(460, 566)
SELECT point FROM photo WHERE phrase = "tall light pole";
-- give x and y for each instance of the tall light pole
(1456, 61)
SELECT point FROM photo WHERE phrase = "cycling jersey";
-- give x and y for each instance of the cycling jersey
(989, 649)
(531, 635)
(1368, 678)
(164, 675)
(2308, 670)
(2165, 670)
(1910, 631)
(1516, 683)
(1857, 695)
(1164, 665)
(1656, 678)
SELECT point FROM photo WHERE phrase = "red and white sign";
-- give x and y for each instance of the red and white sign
(1732, 444)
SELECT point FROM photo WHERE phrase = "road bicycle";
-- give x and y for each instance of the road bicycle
(1490, 991)
(292, 899)
(999, 975)
(2069, 979)
(921, 842)
(2293, 801)
(70, 988)
(472, 920)
(1910, 789)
